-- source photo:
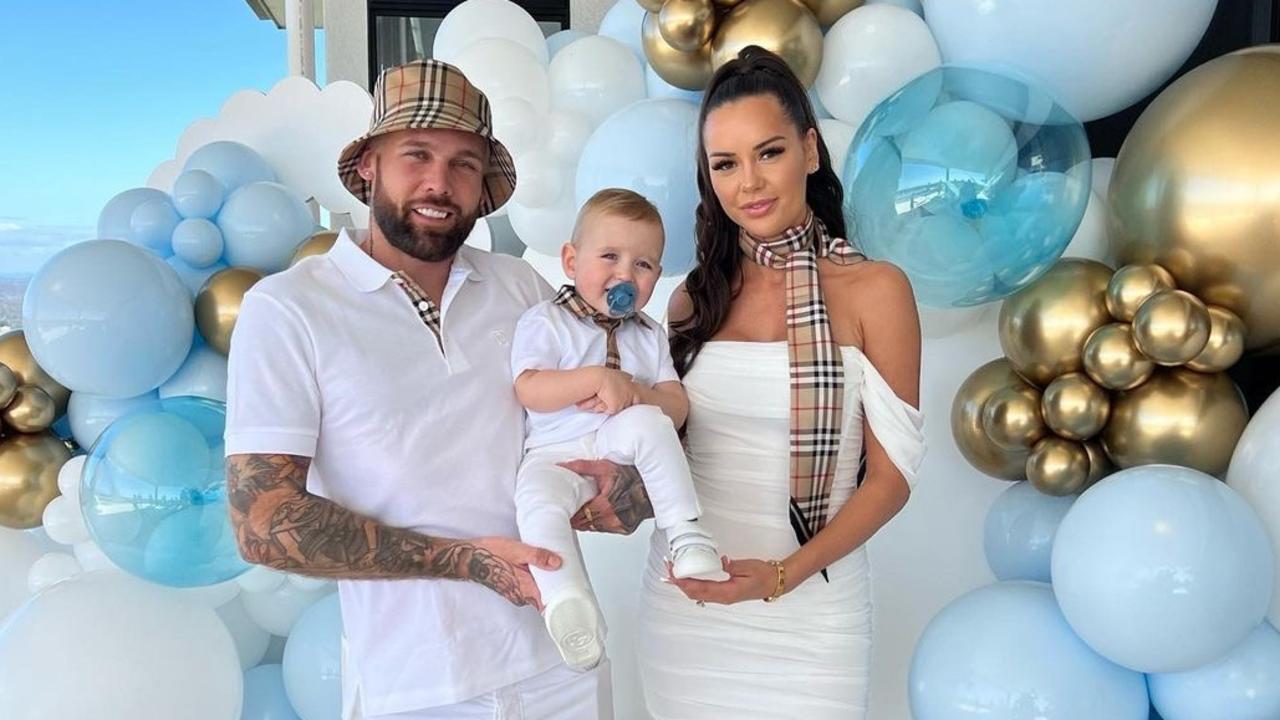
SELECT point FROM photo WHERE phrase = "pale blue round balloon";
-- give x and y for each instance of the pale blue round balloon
(624, 22)
(558, 40)
(197, 194)
(264, 696)
(194, 278)
(649, 147)
(819, 110)
(1018, 532)
(198, 242)
(233, 164)
(656, 87)
(313, 661)
(262, 224)
(972, 181)
(204, 374)
(152, 224)
(1162, 568)
(90, 415)
(1004, 652)
(154, 494)
(1243, 685)
(109, 318)
(113, 220)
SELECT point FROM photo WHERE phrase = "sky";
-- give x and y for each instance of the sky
(94, 95)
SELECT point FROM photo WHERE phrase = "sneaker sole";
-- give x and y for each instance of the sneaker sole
(575, 631)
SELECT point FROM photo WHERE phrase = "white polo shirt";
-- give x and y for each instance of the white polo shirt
(551, 337)
(330, 360)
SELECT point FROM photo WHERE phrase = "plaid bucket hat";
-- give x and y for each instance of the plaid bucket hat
(433, 95)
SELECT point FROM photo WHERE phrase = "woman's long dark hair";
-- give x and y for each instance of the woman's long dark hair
(711, 284)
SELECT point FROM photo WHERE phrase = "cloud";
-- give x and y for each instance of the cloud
(24, 248)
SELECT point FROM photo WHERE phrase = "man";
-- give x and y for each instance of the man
(373, 435)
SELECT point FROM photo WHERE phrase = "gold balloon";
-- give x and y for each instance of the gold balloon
(1194, 187)
(652, 6)
(30, 411)
(1075, 407)
(1226, 342)
(829, 11)
(15, 354)
(726, 4)
(686, 70)
(966, 421)
(1058, 467)
(1171, 327)
(1099, 464)
(1132, 285)
(8, 385)
(785, 27)
(687, 25)
(1112, 359)
(317, 244)
(29, 467)
(1043, 327)
(218, 304)
(1011, 417)
(1179, 417)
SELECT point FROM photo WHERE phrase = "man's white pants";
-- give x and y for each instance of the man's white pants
(547, 495)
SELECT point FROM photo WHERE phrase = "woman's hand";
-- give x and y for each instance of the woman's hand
(748, 580)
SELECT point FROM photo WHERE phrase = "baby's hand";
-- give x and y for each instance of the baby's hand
(617, 391)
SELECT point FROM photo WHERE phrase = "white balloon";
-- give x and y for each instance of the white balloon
(1101, 176)
(309, 584)
(481, 236)
(868, 55)
(516, 124)
(92, 558)
(51, 568)
(250, 640)
(1255, 474)
(596, 76)
(277, 610)
(541, 178)
(1090, 240)
(912, 5)
(107, 647)
(203, 374)
(505, 69)
(211, 596)
(260, 579)
(546, 229)
(69, 477)
(548, 267)
(837, 135)
(1096, 57)
(18, 552)
(63, 521)
(567, 133)
(478, 19)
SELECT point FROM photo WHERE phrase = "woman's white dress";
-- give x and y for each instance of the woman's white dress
(806, 656)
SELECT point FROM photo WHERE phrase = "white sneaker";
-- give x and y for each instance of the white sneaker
(574, 623)
(694, 554)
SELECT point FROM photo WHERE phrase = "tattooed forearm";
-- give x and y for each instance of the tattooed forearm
(629, 500)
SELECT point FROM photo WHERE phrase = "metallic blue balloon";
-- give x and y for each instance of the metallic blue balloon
(1018, 533)
(971, 181)
(1243, 685)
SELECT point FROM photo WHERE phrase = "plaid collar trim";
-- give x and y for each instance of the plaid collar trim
(569, 298)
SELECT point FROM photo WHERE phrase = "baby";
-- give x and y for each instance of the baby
(596, 377)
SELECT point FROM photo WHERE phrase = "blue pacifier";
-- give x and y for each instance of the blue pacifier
(621, 299)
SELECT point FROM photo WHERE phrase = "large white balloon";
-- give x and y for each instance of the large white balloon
(63, 521)
(868, 55)
(503, 69)
(838, 135)
(51, 568)
(251, 640)
(108, 647)
(277, 610)
(566, 133)
(18, 552)
(516, 123)
(546, 229)
(595, 76)
(478, 19)
(1096, 56)
(542, 178)
(1255, 474)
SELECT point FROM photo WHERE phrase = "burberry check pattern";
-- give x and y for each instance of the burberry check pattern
(569, 299)
(426, 309)
(817, 369)
(434, 95)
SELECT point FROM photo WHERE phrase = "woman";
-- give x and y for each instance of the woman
(801, 360)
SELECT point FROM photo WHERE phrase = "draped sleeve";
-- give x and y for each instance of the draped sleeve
(897, 425)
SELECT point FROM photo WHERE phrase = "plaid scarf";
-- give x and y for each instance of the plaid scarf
(569, 298)
(817, 369)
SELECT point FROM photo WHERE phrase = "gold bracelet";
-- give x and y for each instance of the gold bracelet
(781, 587)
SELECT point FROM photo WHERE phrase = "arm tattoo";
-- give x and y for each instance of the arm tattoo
(629, 500)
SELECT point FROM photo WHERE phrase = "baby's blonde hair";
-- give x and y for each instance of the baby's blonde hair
(618, 202)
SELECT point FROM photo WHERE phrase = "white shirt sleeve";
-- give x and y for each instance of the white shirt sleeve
(535, 345)
(273, 399)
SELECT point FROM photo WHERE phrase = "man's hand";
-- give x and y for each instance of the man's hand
(622, 503)
(502, 565)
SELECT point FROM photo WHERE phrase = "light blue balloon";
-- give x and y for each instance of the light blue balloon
(656, 87)
(970, 180)
(197, 194)
(152, 224)
(1243, 685)
(649, 147)
(154, 497)
(558, 40)
(1162, 568)
(198, 242)
(193, 278)
(819, 110)
(624, 22)
(108, 318)
(313, 661)
(204, 374)
(262, 224)
(912, 5)
(1018, 533)
(1004, 652)
(90, 415)
(264, 696)
(113, 220)
(233, 164)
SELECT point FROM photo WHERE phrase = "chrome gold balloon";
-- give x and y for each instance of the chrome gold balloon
(1100, 465)
(1011, 418)
(687, 25)
(1044, 326)
(8, 385)
(15, 354)
(785, 27)
(1171, 327)
(30, 411)
(1075, 407)
(829, 11)
(218, 305)
(1195, 187)
(652, 6)
(1179, 417)
(1058, 467)
(1113, 361)
(29, 467)
(317, 244)
(1226, 342)
(966, 421)
(687, 70)
(726, 4)
(1132, 285)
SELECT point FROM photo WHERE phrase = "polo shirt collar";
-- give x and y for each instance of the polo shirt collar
(366, 274)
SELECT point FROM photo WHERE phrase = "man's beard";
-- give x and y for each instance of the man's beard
(426, 245)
